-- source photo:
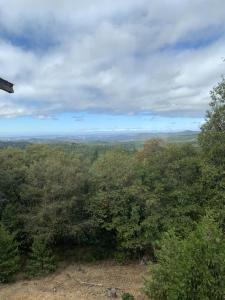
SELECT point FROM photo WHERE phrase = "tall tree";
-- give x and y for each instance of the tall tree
(212, 142)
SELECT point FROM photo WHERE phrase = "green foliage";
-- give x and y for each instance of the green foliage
(127, 296)
(171, 177)
(41, 260)
(13, 218)
(120, 257)
(9, 255)
(12, 172)
(212, 137)
(193, 268)
(85, 254)
(118, 199)
(212, 141)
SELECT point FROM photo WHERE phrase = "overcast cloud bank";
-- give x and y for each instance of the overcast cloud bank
(119, 57)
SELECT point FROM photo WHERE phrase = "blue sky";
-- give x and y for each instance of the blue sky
(109, 65)
(69, 123)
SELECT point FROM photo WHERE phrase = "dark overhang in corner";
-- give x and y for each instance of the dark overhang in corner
(6, 86)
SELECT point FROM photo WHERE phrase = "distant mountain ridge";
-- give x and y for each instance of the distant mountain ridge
(106, 137)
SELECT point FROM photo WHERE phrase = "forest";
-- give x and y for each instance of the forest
(164, 202)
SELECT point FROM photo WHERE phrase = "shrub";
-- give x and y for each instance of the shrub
(9, 255)
(190, 269)
(120, 257)
(127, 296)
(42, 260)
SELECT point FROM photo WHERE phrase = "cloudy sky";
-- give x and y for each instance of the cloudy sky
(109, 64)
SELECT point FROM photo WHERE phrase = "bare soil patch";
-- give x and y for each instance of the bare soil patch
(79, 282)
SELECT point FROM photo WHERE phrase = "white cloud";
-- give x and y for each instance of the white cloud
(9, 109)
(161, 57)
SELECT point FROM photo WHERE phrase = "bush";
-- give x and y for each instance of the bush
(127, 296)
(120, 257)
(9, 255)
(42, 260)
(190, 269)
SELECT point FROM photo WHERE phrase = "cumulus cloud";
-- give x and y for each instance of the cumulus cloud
(131, 56)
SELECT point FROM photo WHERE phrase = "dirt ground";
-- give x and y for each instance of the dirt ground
(79, 282)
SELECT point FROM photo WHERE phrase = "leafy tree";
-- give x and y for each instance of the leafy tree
(212, 136)
(41, 261)
(212, 142)
(190, 269)
(171, 177)
(117, 204)
(9, 255)
(150, 148)
(55, 191)
(12, 173)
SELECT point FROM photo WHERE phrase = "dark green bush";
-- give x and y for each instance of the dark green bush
(127, 296)
(9, 255)
(42, 260)
(120, 257)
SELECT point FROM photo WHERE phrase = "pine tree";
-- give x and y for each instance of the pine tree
(41, 261)
(9, 255)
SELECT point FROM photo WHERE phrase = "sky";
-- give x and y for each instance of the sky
(103, 65)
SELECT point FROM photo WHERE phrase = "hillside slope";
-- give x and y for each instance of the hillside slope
(79, 282)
